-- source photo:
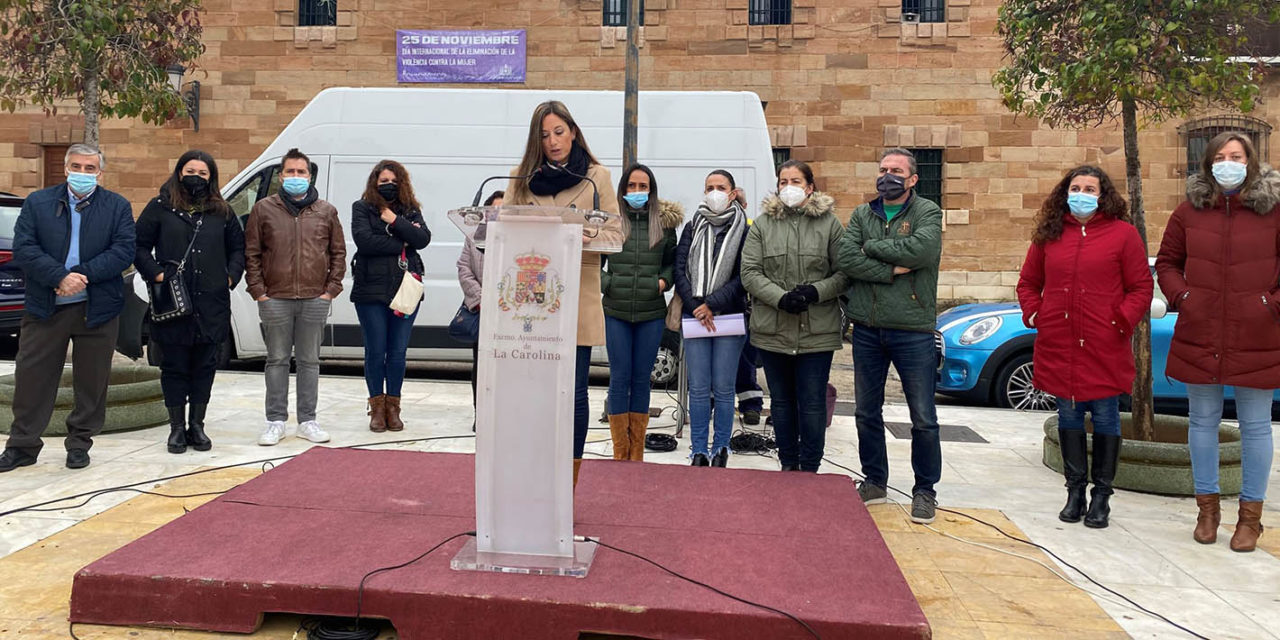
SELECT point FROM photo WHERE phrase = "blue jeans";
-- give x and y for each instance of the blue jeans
(798, 404)
(1253, 410)
(582, 367)
(712, 366)
(386, 338)
(632, 348)
(915, 356)
(1105, 413)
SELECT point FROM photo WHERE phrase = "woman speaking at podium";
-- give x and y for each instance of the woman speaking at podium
(565, 174)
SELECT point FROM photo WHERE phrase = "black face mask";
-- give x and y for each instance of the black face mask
(196, 186)
(389, 191)
(891, 187)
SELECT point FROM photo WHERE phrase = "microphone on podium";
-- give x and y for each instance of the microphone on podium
(475, 202)
(595, 193)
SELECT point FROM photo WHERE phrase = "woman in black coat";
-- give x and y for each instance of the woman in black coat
(190, 206)
(388, 228)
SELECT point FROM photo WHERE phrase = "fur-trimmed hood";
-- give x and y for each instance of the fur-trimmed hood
(817, 205)
(1262, 196)
(671, 213)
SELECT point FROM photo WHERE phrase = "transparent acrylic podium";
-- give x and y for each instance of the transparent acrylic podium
(525, 380)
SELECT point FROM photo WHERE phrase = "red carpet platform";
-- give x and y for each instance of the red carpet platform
(299, 538)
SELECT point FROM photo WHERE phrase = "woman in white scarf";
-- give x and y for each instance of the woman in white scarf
(708, 282)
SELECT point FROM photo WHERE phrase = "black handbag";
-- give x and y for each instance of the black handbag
(170, 299)
(465, 326)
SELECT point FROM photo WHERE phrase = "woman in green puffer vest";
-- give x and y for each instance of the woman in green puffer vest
(789, 268)
(635, 308)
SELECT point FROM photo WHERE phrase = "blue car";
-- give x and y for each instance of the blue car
(987, 357)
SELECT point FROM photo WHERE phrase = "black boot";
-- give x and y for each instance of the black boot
(195, 429)
(1075, 466)
(720, 459)
(177, 429)
(1106, 455)
(699, 460)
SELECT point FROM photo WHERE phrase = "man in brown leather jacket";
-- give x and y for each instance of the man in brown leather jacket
(295, 256)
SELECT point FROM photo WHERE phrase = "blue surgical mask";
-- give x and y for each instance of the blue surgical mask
(81, 183)
(1082, 204)
(637, 199)
(1230, 174)
(295, 186)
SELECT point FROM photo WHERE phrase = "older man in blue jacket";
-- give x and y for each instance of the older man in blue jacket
(73, 242)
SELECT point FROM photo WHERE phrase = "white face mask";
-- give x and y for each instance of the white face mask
(716, 201)
(792, 196)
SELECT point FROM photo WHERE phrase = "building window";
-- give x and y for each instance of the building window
(780, 155)
(924, 10)
(1197, 133)
(615, 13)
(929, 168)
(317, 13)
(769, 12)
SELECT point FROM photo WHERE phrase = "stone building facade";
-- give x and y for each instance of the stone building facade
(843, 80)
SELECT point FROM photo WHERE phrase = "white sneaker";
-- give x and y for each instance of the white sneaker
(310, 430)
(272, 434)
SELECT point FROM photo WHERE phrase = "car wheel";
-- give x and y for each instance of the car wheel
(667, 365)
(1014, 389)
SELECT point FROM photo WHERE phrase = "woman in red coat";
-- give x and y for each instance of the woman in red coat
(1084, 286)
(1218, 264)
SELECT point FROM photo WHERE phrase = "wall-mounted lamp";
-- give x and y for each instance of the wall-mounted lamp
(190, 97)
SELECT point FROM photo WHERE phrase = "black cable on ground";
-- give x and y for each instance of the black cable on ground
(141, 491)
(704, 585)
(1047, 551)
(264, 462)
(360, 591)
(337, 629)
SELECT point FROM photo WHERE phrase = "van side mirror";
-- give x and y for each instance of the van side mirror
(1158, 309)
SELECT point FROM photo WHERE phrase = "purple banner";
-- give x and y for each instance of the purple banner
(460, 56)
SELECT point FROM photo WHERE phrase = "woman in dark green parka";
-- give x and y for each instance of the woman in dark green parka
(635, 306)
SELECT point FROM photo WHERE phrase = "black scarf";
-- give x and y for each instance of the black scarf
(553, 179)
(296, 206)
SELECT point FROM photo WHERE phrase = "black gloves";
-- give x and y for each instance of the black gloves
(793, 302)
(808, 291)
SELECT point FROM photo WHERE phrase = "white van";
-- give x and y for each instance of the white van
(450, 140)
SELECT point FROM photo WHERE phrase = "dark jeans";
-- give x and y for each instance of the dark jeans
(632, 348)
(582, 366)
(1105, 412)
(186, 372)
(750, 396)
(915, 356)
(798, 402)
(386, 338)
(42, 352)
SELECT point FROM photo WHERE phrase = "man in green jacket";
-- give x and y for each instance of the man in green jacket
(890, 251)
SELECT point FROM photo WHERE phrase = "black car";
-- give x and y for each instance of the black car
(12, 288)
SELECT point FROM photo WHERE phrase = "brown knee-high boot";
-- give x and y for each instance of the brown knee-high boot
(378, 413)
(577, 466)
(392, 410)
(639, 424)
(619, 425)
